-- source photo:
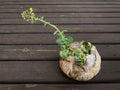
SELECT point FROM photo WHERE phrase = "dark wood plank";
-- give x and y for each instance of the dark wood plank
(49, 71)
(49, 52)
(58, 3)
(64, 15)
(63, 10)
(71, 28)
(60, 86)
(58, 6)
(29, 52)
(42, 38)
(63, 0)
(71, 21)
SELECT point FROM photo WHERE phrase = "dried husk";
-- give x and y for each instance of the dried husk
(82, 72)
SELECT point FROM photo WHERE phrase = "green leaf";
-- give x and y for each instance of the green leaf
(42, 18)
(63, 31)
(60, 41)
(80, 56)
(77, 58)
(64, 53)
(87, 47)
(65, 41)
(55, 33)
(64, 47)
(82, 41)
(69, 39)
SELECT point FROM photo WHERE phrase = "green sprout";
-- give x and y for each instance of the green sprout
(63, 40)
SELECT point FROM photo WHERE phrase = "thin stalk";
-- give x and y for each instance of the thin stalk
(53, 26)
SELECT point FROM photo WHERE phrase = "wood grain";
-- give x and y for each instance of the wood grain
(70, 21)
(42, 38)
(60, 86)
(59, 2)
(64, 10)
(49, 71)
(58, 6)
(33, 29)
(49, 52)
(63, 15)
(62, 0)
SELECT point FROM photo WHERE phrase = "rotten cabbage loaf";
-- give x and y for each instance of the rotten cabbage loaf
(73, 69)
(79, 60)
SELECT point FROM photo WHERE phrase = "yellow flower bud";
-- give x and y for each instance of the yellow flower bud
(31, 10)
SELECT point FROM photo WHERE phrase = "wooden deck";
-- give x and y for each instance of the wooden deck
(29, 55)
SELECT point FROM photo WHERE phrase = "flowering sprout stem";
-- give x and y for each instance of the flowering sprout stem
(65, 42)
(30, 16)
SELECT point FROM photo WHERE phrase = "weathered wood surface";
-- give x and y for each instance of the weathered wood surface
(29, 55)
(49, 71)
(49, 52)
(62, 8)
(105, 38)
(72, 29)
(62, 1)
(71, 21)
(64, 15)
(60, 87)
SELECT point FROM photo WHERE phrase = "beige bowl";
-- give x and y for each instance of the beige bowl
(84, 72)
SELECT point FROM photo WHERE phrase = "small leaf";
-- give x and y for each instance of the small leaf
(65, 30)
(82, 41)
(42, 18)
(64, 53)
(77, 58)
(70, 39)
(60, 41)
(87, 47)
(55, 33)
(64, 47)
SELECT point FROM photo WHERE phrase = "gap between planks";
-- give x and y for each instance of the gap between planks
(62, 1)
